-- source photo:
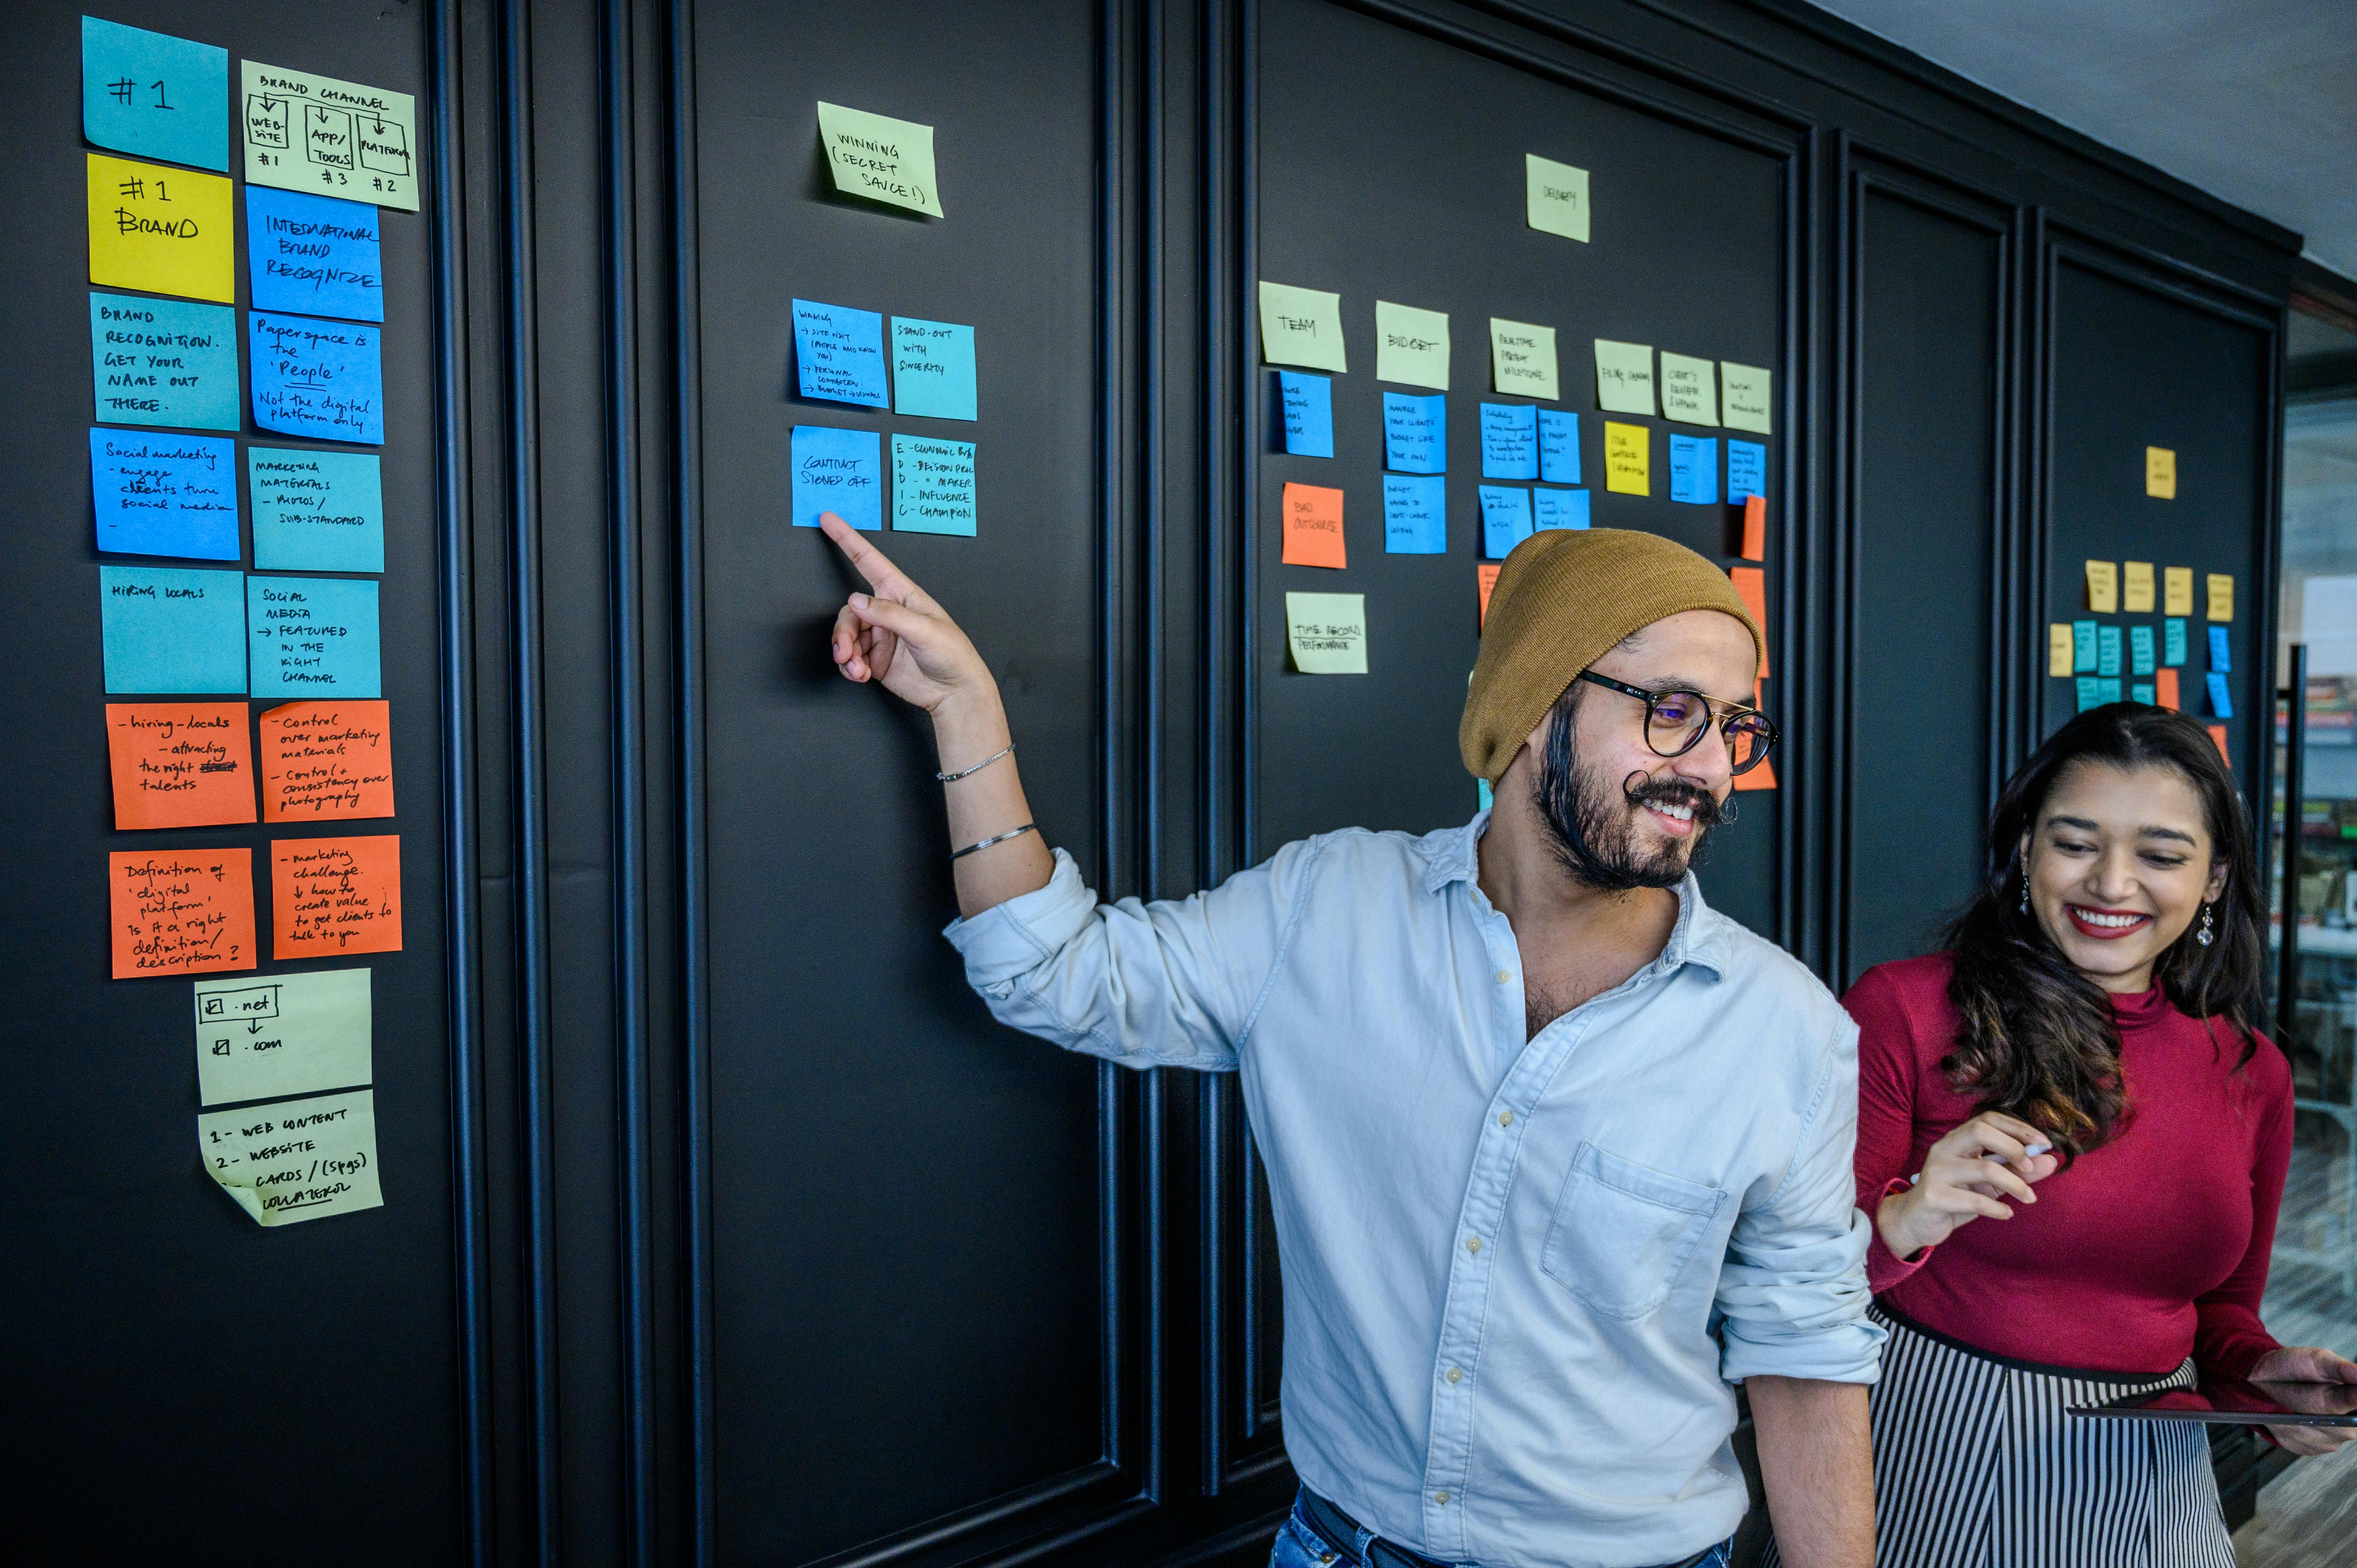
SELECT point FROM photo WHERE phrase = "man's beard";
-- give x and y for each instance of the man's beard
(1591, 824)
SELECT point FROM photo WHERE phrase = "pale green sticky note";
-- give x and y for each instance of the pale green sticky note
(1329, 633)
(295, 1160)
(1743, 396)
(1624, 376)
(1410, 346)
(329, 137)
(1689, 389)
(881, 158)
(258, 1038)
(1301, 327)
(1558, 196)
(1522, 358)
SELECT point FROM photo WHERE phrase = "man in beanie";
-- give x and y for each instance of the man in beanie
(1557, 1154)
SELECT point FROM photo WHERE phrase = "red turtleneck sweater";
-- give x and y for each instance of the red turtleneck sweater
(2146, 1250)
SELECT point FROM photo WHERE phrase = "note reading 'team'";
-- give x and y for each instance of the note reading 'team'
(1301, 326)
(282, 1033)
(296, 1159)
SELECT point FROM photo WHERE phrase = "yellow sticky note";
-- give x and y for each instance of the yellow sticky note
(296, 1159)
(1522, 358)
(2136, 587)
(2059, 648)
(1329, 633)
(881, 158)
(2177, 591)
(1743, 397)
(2161, 472)
(1624, 376)
(1301, 327)
(1410, 346)
(1689, 389)
(2221, 596)
(166, 231)
(1556, 200)
(1628, 458)
(2104, 586)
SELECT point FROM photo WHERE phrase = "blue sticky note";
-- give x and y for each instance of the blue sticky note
(1307, 404)
(2083, 647)
(1560, 509)
(2140, 650)
(163, 361)
(2144, 691)
(2107, 691)
(320, 378)
(153, 94)
(2107, 650)
(2172, 638)
(312, 637)
(1558, 447)
(839, 353)
(312, 253)
(2091, 693)
(932, 485)
(1746, 469)
(2221, 701)
(315, 511)
(1505, 519)
(932, 369)
(1415, 432)
(1416, 513)
(164, 495)
(1694, 469)
(1509, 441)
(2222, 658)
(841, 471)
(1482, 795)
(169, 631)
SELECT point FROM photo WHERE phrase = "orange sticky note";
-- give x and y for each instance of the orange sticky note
(335, 896)
(1763, 775)
(179, 764)
(1313, 526)
(326, 760)
(2218, 734)
(2164, 687)
(1486, 574)
(180, 911)
(1752, 587)
(1755, 528)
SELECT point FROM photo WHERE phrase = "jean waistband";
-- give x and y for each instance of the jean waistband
(1341, 1531)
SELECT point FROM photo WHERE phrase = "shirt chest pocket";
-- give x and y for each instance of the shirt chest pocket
(1624, 1233)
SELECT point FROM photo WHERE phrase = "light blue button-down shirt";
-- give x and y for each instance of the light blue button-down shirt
(1520, 1276)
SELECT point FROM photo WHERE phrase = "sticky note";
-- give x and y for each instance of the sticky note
(1415, 433)
(335, 896)
(1628, 459)
(841, 471)
(881, 158)
(164, 495)
(1761, 776)
(1755, 528)
(2218, 737)
(1509, 441)
(315, 511)
(2221, 699)
(163, 361)
(2172, 635)
(2136, 587)
(1694, 469)
(2222, 658)
(1752, 587)
(180, 911)
(179, 764)
(2221, 596)
(154, 95)
(1313, 526)
(839, 353)
(2090, 692)
(1481, 797)
(1746, 469)
(1558, 447)
(2164, 688)
(2083, 647)
(932, 369)
(2107, 650)
(2177, 590)
(1522, 358)
(166, 629)
(334, 138)
(2060, 650)
(2104, 586)
(932, 485)
(1301, 326)
(282, 1033)
(320, 378)
(2107, 689)
(166, 231)
(2142, 692)
(1689, 389)
(1624, 376)
(2161, 472)
(1558, 508)
(312, 637)
(1306, 403)
(2142, 659)
(1505, 519)
(1416, 515)
(1485, 580)
(1555, 198)
(1327, 633)
(1411, 345)
(314, 254)
(297, 1160)
(326, 761)
(1743, 397)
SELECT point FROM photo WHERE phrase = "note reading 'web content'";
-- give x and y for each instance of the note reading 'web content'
(295, 1160)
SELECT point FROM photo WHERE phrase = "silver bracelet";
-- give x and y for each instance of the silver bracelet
(964, 772)
(996, 838)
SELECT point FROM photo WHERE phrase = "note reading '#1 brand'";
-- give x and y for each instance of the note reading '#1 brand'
(881, 158)
(166, 231)
(332, 138)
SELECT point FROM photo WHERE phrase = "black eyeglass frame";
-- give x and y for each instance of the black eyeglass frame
(1716, 715)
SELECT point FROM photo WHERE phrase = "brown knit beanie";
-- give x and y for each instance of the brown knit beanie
(1565, 597)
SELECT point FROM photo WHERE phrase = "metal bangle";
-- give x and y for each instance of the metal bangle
(963, 772)
(996, 838)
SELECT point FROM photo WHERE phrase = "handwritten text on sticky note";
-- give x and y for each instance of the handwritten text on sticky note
(312, 637)
(881, 158)
(335, 896)
(1410, 346)
(154, 95)
(324, 761)
(180, 911)
(1313, 526)
(1327, 632)
(166, 629)
(1509, 441)
(315, 511)
(932, 369)
(841, 471)
(164, 495)
(932, 485)
(1416, 515)
(317, 255)
(1522, 358)
(1689, 389)
(163, 361)
(1301, 326)
(320, 378)
(179, 764)
(1628, 458)
(297, 1160)
(338, 138)
(282, 1033)
(1554, 197)
(166, 231)
(1624, 377)
(1415, 432)
(839, 353)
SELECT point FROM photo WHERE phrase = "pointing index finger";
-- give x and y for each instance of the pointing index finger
(888, 580)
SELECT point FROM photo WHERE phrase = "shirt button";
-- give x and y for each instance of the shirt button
(1473, 1245)
(1440, 1496)
(1504, 977)
(1456, 1374)
(1505, 1118)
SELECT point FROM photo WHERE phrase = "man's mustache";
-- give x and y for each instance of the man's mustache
(1642, 790)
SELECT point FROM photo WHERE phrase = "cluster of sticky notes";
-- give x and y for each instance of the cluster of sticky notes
(840, 354)
(181, 765)
(166, 629)
(879, 158)
(2103, 661)
(842, 471)
(296, 1159)
(839, 357)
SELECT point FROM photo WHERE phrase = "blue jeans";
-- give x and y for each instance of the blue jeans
(1299, 1546)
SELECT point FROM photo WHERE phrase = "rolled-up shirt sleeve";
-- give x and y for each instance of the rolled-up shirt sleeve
(1793, 1294)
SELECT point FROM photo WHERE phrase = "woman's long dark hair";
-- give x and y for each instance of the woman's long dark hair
(2037, 1040)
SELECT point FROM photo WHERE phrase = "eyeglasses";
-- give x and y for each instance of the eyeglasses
(1674, 722)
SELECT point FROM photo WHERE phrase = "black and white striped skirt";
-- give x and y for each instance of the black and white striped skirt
(1976, 1465)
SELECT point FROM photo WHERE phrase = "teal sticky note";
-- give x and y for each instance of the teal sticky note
(932, 485)
(839, 353)
(1558, 508)
(1509, 441)
(2140, 650)
(154, 95)
(1306, 403)
(841, 471)
(2222, 657)
(2172, 638)
(315, 511)
(1558, 447)
(315, 254)
(1482, 795)
(2107, 691)
(1505, 519)
(169, 631)
(2107, 650)
(1694, 469)
(1416, 515)
(2222, 699)
(163, 361)
(2083, 647)
(2143, 692)
(318, 378)
(2091, 693)
(312, 637)
(1415, 432)
(154, 494)
(932, 369)
(1746, 469)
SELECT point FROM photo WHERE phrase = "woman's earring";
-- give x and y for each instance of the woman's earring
(2202, 936)
(2025, 890)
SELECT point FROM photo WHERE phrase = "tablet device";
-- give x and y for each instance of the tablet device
(2237, 1403)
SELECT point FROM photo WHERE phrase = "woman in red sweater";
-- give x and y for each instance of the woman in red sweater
(2072, 1145)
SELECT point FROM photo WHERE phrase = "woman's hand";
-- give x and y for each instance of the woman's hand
(899, 636)
(1961, 1183)
(2307, 1364)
